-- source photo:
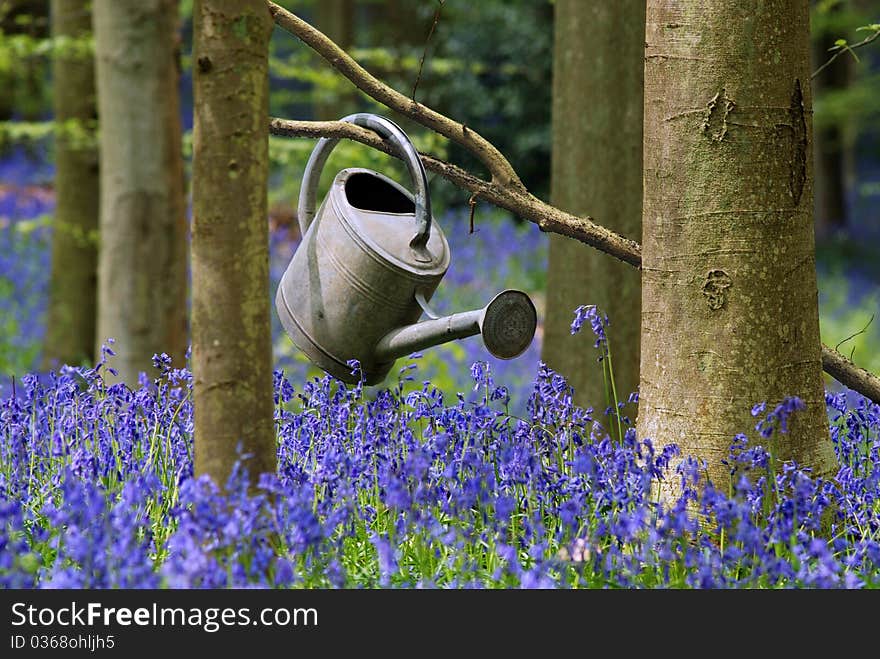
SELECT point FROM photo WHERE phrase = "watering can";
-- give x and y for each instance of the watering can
(369, 261)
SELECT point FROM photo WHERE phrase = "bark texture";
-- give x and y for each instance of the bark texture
(70, 325)
(232, 346)
(142, 259)
(598, 68)
(729, 299)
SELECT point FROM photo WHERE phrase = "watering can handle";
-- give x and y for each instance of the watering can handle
(389, 131)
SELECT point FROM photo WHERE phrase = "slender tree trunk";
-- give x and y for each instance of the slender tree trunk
(729, 298)
(70, 327)
(401, 27)
(232, 345)
(142, 266)
(597, 170)
(334, 18)
(831, 143)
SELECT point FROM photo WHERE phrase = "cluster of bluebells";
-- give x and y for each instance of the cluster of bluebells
(24, 260)
(403, 488)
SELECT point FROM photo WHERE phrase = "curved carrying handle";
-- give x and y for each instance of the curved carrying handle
(388, 130)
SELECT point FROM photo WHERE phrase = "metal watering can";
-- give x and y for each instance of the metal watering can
(368, 264)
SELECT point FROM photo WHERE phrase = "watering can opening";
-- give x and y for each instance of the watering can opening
(368, 192)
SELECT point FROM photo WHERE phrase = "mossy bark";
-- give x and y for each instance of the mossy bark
(232, 345)
(597, 171)
(70, 325)
(729, 298)
(142, 258)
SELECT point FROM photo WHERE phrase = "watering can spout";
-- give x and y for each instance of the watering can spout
(507, 325)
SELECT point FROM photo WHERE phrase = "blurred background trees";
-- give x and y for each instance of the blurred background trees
(597, 171)
(73, 288)
(142, 262)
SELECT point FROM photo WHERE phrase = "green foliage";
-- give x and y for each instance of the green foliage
(850, 320)
(841, 24)
(504, 90)
(858, 103)
(288, 159)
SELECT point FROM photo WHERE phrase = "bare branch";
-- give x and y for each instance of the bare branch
(847, 373)
(518, 201)
(501, 170)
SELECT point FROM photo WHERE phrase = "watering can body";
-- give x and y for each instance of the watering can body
(346, 285)
(370, 259)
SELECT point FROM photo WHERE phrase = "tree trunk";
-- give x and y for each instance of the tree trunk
(831, 145)
(729, 298)
(70, 326)
(142, 257)
(334, 18)
(596, 170)
(232, 345)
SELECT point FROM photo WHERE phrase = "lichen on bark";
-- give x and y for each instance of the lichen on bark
(729, 302)
(232, 350)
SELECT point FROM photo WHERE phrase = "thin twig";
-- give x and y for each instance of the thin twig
(852, 336)
(863, 42)
(425, 51)
(472, 202)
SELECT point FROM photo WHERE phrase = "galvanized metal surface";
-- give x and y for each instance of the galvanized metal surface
(360, 279)
(390, 131)
(507, 325)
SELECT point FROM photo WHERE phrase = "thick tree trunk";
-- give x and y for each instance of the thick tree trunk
(232, 345)
(729, 299)
(596, 170)
(70, 326)
(142, 261)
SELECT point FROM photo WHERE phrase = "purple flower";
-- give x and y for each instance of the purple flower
(598, 322)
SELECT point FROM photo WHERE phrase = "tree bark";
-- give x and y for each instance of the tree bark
(596, 168)
(334, 18)
(232, 347)
(142, 257)
(70, 326)
(729, 298)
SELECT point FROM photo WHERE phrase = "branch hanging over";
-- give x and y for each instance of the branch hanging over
(505, 189)
(515, 199)
(501, 170)
(847, 373)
